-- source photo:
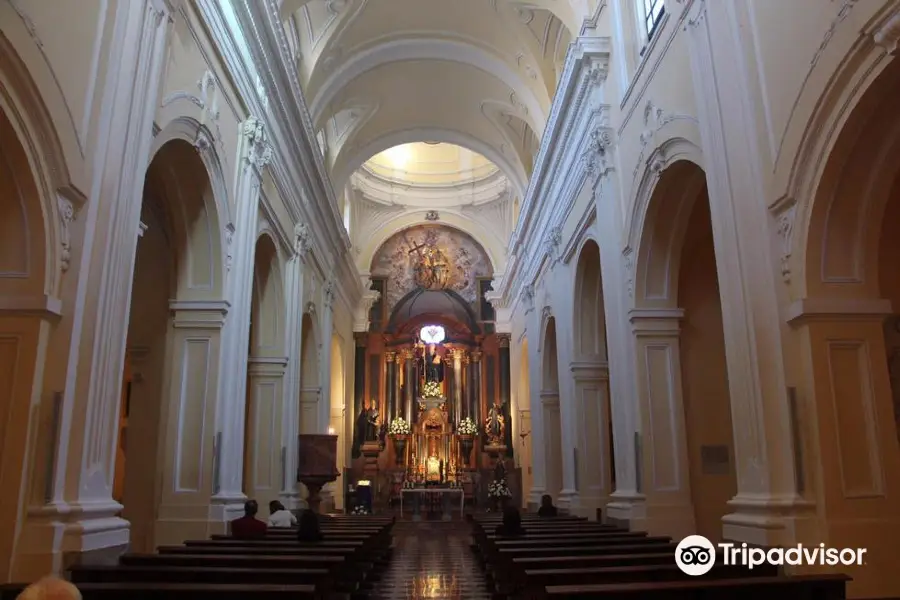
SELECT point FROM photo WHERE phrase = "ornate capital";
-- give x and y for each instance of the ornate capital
(257, 151)
(528, 297)
(476, 356)
(390, 357)
(329, 293)
(597, 157)
(503, 340)
(406, 354)
(302, 239)
(552, 242)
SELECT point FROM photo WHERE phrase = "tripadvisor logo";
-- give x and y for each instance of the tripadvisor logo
(695, 555)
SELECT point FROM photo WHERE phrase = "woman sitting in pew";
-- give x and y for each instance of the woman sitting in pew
(280, 517)
(512, 523)
(547, 509)
(309, 530)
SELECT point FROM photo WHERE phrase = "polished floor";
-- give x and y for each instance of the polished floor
(432, 559)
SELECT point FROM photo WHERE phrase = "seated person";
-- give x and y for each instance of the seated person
(547, 509)
(50, 588)
(280, 517)
(309, 530)
(512, 523)
(248, 527)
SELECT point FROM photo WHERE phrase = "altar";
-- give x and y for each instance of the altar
(432, 404)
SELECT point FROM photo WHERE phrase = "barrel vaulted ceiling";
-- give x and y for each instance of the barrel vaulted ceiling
(480, 74)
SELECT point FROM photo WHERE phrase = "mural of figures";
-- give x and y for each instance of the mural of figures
(431, 257)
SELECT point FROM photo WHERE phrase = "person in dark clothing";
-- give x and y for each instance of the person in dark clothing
(547, 509)
(308, 529)
(248, 527)
(512, 523)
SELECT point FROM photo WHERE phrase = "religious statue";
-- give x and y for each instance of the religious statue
(495, 426)
(432, 366)
(372, 423)
(432, 270)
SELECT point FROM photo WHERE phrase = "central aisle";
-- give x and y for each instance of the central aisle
(432, 559)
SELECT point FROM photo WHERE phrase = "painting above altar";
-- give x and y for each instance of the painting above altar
(431, 258)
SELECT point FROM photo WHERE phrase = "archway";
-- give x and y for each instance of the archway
(25, 263)
(525, 448)
(309, 382)
(591, 375)
(263, 472)
(848, 325)
(681, 355)
(170, 360)
(550, 416)
(337, 419)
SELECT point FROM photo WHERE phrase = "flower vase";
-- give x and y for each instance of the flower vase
(466, 443)
(400, 448)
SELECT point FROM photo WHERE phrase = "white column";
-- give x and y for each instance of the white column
(325, 399)
(255, 154)
(80, 517)
(538, 443)
(767, 498)
(568, 419)
(293, 288)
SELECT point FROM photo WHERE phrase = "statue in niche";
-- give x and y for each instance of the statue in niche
(495, 426)
(372, 423)
(432, 365)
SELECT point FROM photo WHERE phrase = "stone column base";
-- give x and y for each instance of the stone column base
(587, 506)
(534, 498)
(627, 509)
(567, 500)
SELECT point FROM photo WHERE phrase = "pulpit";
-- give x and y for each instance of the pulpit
(316, 465)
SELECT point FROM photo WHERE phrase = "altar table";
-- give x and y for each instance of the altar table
(462, 496)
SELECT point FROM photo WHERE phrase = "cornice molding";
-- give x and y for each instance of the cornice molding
(578, 118)
(386, 191)
(269, 87)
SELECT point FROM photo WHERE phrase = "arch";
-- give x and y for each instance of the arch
(411, 219)
(266, 363)
(310, 390)
(443, 305)
(550, 411)
(338, 424)
(663, 223)
(43, 142)
(669, 152)
(844, 224)
(177, 263)
(589, 307)
(34, 102)
(515, 174)
(383, 51)
(27, 270)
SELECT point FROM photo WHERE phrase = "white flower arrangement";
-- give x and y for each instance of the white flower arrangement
(431, 389)
(359, 510)
(468, 427)
(399, 426)
(499, 489)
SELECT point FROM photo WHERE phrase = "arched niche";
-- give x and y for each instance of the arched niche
(550, 410)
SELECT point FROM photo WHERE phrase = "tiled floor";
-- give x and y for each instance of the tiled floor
(432, 559)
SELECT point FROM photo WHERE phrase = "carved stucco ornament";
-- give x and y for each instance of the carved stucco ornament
(302, 239)
(785, 229)
(628, 259)
(229, 246)
(66, 217)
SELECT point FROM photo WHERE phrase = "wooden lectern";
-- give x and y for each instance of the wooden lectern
(316, 464)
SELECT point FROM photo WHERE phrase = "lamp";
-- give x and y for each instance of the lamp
(316, 464)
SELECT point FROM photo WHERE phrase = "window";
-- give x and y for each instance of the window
(653, 14)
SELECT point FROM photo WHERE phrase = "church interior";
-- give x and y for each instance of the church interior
(382, 263)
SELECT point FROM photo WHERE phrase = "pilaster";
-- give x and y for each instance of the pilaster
(78, 521)
(767, 494)
(325, 400)
(843, 415)
(255, 154)
(594, 463)
(665, 463)
(538, 441)
(293, 288)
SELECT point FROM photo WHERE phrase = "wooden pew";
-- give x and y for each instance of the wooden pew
(181, 591)
(797, 587)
